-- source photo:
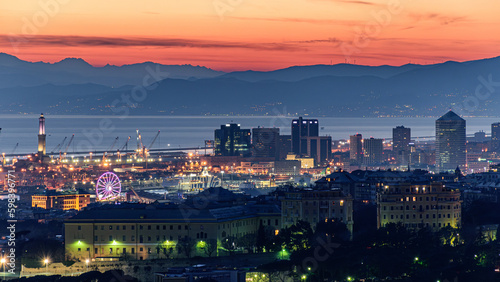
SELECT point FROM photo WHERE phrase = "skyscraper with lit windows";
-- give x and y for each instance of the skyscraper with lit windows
(450, 142)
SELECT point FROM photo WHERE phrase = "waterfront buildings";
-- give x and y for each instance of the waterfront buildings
(303, 128)
(265, 142)
(231, 140)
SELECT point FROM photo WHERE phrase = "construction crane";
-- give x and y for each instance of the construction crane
(113, 145)
(69, 144)
(59, 145)
(15, 147)
(154, 139)
(125, 146)
(139, 140)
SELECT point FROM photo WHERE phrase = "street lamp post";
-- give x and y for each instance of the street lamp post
(87, 263)
(46, 261)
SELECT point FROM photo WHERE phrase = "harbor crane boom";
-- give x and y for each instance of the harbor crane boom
(59, 145)
(113, 145)
(154, 139)
(126, 144)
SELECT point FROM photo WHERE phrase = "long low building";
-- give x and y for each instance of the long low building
(139, 231)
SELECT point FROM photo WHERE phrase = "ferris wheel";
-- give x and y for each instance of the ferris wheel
(108, 186)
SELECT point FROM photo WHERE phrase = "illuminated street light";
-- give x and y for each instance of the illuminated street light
(46, 261)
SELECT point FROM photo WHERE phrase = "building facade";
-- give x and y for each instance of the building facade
(401, 138)
(231, 140)
(265, 142)
(314, 206)
(303, 128)
(450, 143)
(372, 151)
(141, 232)
(419, 205)
(319, 148)
(356, 148)
(61, 201)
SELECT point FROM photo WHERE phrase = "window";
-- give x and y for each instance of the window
(124, 238)
(95, 227)
(124, 250)
(179, 227)
(132, 250)
(141, 227)
(79, 249)
(157, 227)
(141, 249)
(111, 227)
(132, 227)
(96, 250)
(96, 238)
(164, 227)
(110, 251)
(132, 238)
(124, 227)
(149, 227)
(110, 238)
(118, 227)
(79, 227)
(171, 227)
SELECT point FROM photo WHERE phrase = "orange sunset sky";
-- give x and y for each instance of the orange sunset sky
(251, 34)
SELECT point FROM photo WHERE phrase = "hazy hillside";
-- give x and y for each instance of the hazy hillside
(410, 90)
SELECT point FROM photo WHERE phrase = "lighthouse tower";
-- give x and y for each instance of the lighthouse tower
(41, 136)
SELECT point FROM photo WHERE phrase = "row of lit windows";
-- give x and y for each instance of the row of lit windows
(421, 208)
(421, 225)
(179, 227)
(427, 216)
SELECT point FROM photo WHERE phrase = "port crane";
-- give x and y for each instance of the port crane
(59, 145)
(113, 145)
(69, 144)
(15, 147)
(154, 139)
(125, 146)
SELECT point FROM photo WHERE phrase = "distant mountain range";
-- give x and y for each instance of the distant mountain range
(72, 86)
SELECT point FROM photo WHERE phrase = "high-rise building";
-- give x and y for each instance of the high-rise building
(285, 146)
(231, 140)
(319, 148)
(495, 137)
(303, 128)
(450, 142)
(265, 142)
(372, 151)
(41, 136)
(495, 131)
(401, 137)
(356, 148)
(480, 136)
